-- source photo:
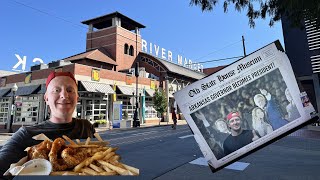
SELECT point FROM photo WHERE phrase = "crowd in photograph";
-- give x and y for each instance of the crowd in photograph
(263, 105)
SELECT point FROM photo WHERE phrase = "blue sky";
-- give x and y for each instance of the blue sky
(52, 30)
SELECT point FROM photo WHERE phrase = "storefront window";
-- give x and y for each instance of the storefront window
(95, 107)
(27, 109)
(4, 109)
(127, 105)
(150, 112)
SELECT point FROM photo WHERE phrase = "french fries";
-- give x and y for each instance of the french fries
(83, 146)
(89, 171)
(134, 170)
(41, 137)
(69, 140)
(97, 135)
(99, 143)
(60, 173)
(119, 170)
(87, 141)
(96, 168)
(104, 161)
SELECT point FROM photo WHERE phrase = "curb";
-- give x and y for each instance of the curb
(6, 134)
(130, 128)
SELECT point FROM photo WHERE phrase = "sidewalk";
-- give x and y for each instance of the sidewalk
(4, 135)
(307, 133)
(145, 125)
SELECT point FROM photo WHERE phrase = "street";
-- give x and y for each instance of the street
(155, 151)
(162, 153)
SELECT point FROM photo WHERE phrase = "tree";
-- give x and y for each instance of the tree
(159, 102)
(125, 115)
(294, 10)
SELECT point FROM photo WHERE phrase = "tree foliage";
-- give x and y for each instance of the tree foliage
(294, 10)
(159, 101)
(125, 115)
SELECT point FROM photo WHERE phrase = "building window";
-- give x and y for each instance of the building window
(126, 49)
(126, 105)
(27, 109)
(4, 109)
(96, 109)
(131, 50)
(150, 111)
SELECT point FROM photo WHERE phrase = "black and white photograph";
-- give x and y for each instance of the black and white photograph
(243, 106)
(246, 114)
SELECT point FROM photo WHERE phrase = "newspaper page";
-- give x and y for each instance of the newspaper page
(243, 106)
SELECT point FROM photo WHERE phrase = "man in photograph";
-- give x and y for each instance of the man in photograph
(238, 137)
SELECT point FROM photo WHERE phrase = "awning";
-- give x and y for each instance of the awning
(126, 90)
(97, 87)
(140, 91)
(43, 89)
(150, 92)
(25, 90)
(4, 92)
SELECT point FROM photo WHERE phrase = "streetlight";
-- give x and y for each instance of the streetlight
(136, 121)
(14, 90)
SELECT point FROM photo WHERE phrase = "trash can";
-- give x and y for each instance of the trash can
(125, 124)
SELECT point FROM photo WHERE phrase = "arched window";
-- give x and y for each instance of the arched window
(126, 49)
(131, 50)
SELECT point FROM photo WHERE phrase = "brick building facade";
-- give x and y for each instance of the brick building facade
(105, 74)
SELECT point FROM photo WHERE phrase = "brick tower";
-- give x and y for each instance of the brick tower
(117, 34)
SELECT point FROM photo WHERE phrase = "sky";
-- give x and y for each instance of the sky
(52, 30)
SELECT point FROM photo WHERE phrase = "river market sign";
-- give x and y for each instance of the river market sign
(165, 54)
(150, 48)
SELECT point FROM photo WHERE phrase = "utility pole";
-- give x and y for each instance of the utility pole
(244, 47)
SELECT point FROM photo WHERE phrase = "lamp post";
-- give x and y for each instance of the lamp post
(171, 91)
(13, 89)
(136, 121)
